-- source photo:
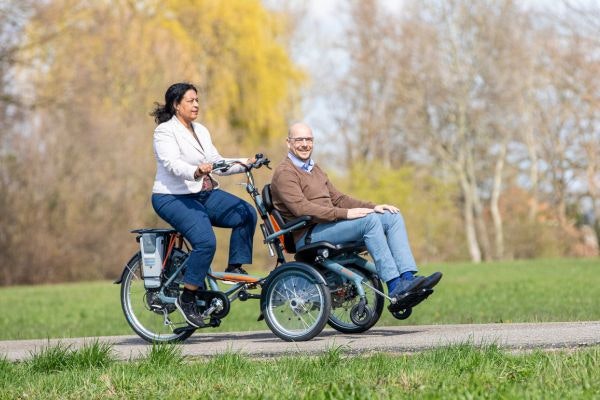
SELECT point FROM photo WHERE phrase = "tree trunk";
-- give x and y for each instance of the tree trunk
(482, 233)
(494, 209)
(470, 231)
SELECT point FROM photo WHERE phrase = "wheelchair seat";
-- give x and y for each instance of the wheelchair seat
(309, 252)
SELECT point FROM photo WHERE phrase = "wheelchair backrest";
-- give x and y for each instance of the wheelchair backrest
(277, 220)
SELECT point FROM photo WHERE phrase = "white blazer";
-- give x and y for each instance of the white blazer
(178, 155)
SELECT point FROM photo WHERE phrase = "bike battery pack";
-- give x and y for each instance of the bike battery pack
(152, 248)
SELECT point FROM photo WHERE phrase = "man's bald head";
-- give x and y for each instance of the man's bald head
(300, 129)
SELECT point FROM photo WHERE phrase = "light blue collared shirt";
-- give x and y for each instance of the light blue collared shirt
(305, 166)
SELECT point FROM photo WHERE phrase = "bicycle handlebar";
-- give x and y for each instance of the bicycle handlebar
(224, 165)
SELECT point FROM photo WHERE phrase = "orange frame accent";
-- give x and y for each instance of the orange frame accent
(277, 228)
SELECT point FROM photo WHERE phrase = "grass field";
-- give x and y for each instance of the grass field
(522, 291)
(541, 290)
(457, 372)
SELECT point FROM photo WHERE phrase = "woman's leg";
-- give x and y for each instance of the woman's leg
(228, 211)
(187, 215)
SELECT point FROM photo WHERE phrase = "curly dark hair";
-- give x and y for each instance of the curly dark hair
(173, 96)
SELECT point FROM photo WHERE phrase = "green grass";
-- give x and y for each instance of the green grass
(61, 357)
(520, 291)
(461, 371)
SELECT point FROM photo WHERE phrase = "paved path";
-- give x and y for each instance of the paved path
(398, 339)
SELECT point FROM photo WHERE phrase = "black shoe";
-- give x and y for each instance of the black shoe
(432, 280)
(405, 286)
(409, 300)
(236, 270)
(190, 312)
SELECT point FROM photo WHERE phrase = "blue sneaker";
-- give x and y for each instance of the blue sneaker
(432, 280)
(405, 286)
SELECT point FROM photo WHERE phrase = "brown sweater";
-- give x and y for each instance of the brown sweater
(296, 193)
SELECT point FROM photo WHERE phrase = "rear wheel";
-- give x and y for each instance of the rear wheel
(296, 304)
(345, 299)
(151, 318)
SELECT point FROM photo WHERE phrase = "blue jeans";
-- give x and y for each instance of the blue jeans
(384, 235)
(194, 215)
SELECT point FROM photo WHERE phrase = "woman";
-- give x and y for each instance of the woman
(188, 197)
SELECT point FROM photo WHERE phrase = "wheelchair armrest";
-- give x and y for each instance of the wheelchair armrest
(304, 218)
(289, 227)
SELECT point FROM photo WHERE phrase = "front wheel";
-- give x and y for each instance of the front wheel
(296, 304)
(151, 318)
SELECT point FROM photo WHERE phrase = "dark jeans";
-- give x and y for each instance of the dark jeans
(194, 215)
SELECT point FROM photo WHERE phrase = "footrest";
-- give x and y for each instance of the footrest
(410, 299)
(230, 277)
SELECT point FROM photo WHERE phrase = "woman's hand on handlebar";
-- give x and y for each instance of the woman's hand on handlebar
(203, 169)
(255, 162)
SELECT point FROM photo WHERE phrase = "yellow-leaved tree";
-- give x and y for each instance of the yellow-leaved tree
(90, 73)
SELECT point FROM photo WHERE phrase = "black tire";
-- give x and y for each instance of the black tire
(296, 303)
(402, 314)
(342, 303)
(147, 323)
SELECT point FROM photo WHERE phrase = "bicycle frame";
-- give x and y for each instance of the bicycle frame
(242, 282)
(280, 306)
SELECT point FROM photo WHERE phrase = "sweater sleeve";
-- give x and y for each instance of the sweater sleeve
(287, 189)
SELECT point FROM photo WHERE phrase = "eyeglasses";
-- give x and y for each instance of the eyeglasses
(301, 139)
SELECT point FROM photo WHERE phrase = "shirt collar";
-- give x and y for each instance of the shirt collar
(305, 166)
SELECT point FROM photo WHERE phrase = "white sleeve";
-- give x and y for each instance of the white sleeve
(212, 155)
(168, 154)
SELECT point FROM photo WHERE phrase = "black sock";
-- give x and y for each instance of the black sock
(188, 295)
(233, 266)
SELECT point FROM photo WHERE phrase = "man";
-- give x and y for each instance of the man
(299, 187)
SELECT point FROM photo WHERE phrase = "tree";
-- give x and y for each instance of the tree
(88, 145)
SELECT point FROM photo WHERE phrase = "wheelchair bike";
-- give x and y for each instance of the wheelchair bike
(325, 284)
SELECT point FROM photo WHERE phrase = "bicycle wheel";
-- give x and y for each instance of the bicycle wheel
(152, 319)
(344, 296)
(296, 304)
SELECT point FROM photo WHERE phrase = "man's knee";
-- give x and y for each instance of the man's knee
(398, 218)
(371, 222)
(372, 219)
(389, 219)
